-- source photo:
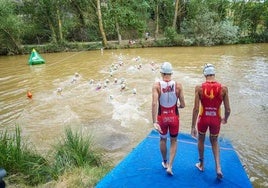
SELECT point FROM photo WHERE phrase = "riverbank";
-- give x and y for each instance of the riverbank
(97, 45)
(85, 46)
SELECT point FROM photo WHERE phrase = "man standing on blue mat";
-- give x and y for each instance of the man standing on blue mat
(210, 95)
(165, 113)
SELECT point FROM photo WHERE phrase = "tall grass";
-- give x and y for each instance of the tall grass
(72, 158)
(22, 162)
(75, 150)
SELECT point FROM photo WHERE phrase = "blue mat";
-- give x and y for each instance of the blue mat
(142, 167)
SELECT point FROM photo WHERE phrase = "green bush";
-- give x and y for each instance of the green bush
(171, 35)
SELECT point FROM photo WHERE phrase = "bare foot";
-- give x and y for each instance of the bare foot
(169, 171)
(165, 165)
(200, 166)
(219, 175)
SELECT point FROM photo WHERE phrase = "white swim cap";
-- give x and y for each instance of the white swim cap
(209, 69)
(166, 68)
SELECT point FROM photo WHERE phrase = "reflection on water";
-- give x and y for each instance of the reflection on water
(109, 96)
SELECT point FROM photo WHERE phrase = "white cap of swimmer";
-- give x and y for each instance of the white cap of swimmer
(209, 69)
(166, 68)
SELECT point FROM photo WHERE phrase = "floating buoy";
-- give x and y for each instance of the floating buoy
(35, 58)
(29, 94)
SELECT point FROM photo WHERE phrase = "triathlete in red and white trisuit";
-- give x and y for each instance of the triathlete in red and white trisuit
(168, 115)
(165, 115)
(210, 114)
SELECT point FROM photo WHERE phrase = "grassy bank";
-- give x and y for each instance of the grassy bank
(85, 46)
(72, 162)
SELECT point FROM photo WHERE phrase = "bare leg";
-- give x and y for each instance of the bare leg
(216, 153)
(173, 149)
(163, 148)
(201, 140)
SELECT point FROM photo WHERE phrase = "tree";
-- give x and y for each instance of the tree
(154, 5)
(179, 14)
(83, 20)
(163, 15)
(175, 14)
(104, 40)
(157, 21)
(126, 19)
(250, 17)
(205, 26)
(45, 14)
(11, 28)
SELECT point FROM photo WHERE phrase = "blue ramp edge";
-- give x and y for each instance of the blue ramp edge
(142, 167)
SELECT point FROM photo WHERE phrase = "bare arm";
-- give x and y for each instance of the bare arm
(179, 91)
(226, 103)
(195, 111)
(155, 97)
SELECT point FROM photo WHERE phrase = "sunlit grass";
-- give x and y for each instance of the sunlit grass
(73, 162)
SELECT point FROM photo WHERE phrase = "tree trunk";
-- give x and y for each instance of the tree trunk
(53, 34)
(175, 14)
(156, 21)
(118, 32)
(104, 39)
(59, 25)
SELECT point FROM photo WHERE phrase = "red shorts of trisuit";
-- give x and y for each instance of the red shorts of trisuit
(211, 123)
(169, 121)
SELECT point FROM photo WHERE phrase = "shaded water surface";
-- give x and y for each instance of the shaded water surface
(120, 119)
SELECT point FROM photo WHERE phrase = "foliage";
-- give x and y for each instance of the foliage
(170, 34)
(166, 13)
(252, 20)
(130, 16)
(210, 22)
(228, 33)
(18, 158)
(74, 150)
(205, 27)
(172, 37)
(73, 153)
(83, 21)
(10, 28)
